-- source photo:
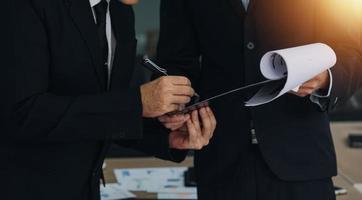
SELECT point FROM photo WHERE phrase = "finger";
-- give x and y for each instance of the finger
(183, 90)
(169, 108)
(306, 91)
(173, 118)
(180, 100)
(195, 120)
(296, 93)
(167, 119)
(311, 85)
(193, 140)
(195, 134)
(184, 128)
(181, 107)
(187, 117)
(176, 140)
(174, 126)
(207, 126)
(180, 80)
(301, 94)
(212, 117)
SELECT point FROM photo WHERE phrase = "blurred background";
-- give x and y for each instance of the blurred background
(147, 29)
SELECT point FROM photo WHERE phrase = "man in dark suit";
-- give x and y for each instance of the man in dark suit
(74, 60)
(281, 150)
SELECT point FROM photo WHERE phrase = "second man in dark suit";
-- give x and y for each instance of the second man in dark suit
(282, 150)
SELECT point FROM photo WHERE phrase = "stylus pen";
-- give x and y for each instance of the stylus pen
(157, 69)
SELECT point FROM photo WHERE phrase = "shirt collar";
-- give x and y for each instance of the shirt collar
(94, 2)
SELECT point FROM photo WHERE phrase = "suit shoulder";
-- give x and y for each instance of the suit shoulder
(38, 8)
(47, 3)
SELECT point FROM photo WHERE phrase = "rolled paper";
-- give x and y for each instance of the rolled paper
(298, 65)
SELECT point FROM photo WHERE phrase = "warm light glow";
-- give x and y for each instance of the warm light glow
(353, 7)
(129, 2)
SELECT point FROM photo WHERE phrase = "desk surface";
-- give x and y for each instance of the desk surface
(349, 163)
(349, 159)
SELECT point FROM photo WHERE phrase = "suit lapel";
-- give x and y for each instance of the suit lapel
(82, 16)
(237, 7)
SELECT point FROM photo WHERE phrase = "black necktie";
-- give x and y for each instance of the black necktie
(101, 17)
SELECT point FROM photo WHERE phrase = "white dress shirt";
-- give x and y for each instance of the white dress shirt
(246, 4)
(110, 36)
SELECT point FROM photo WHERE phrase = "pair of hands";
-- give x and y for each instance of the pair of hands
(170, 93)
(188, 131)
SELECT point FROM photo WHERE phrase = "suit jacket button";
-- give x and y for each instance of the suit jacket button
(250, 46)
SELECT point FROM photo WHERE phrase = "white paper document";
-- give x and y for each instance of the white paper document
(168, 183)
(114, 192)
(358, 186)
(176, 196)
(151, 179)
(293, 66)
(178, 190)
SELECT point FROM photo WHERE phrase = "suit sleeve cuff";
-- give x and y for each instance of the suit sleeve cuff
(323, 94)
(128, 124)
(320, 98)
(171, 154)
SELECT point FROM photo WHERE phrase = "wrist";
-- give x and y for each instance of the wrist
(325, 82)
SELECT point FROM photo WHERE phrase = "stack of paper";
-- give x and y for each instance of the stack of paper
(358, 186)
(115, 192)
(176, 196)
(167, 182)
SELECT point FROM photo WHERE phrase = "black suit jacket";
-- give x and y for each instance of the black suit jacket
(219, 46)
(67, 118)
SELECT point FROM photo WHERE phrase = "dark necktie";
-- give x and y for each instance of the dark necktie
(101, 17)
